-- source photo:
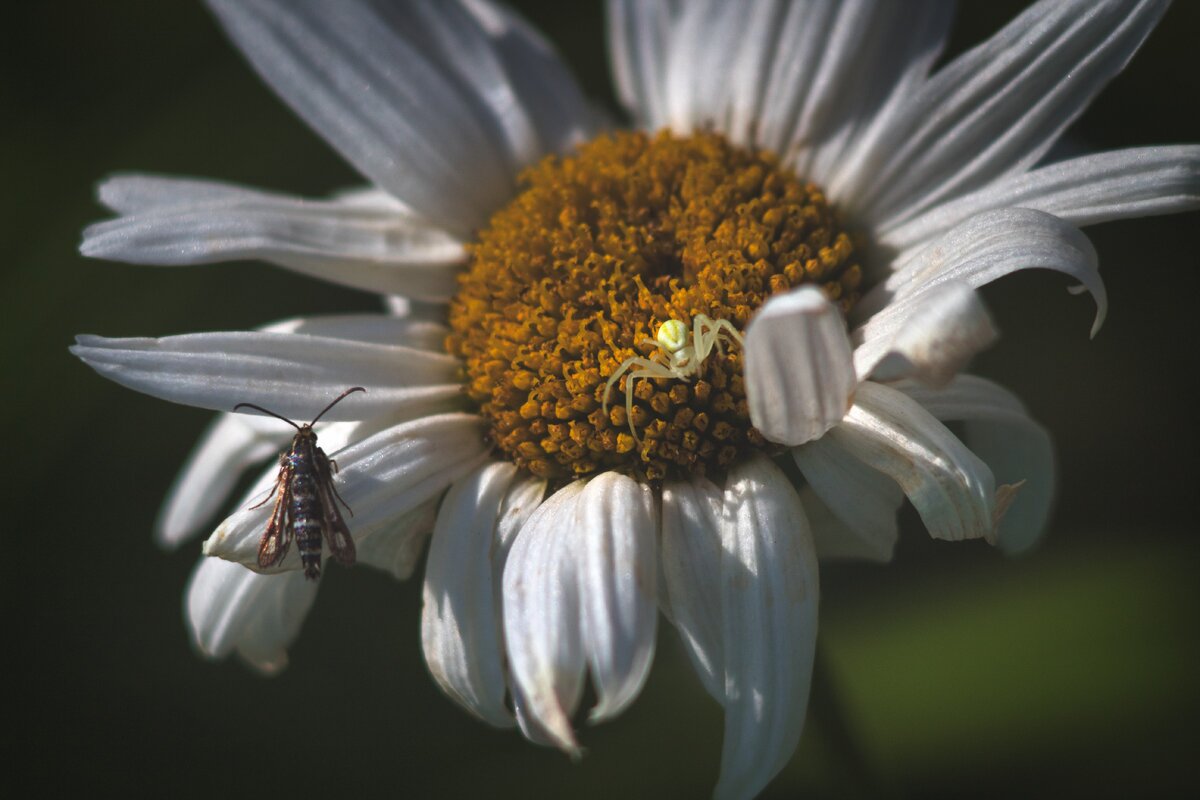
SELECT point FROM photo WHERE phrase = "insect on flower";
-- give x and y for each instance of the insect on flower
(683, 360)
(306, 508)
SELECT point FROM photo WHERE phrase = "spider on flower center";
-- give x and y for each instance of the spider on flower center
(683, 360)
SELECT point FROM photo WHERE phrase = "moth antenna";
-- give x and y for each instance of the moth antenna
(265, 411)
(337, 400)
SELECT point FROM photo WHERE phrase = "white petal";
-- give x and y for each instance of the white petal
(796, 78)
(523, 498)
(863, 499)
(998, 108)
(532, 728)
(799, 373)
(458, 47)
(366, 247)
(128, 194)
(834, 539)
(736, 101)
(371, 197)
(989, 246)
(408, 308)
(382, 91)
(382, 477)
(225, 450)
(930, 335)
(394, 545)
(695, 81)
(460, 622)
(1019, 452)
(541, 618)
(691, 559)
(769, 591)
(1096, 188)
(639, 45)
(837, 66)
(396, 305)
(616, 543)
(229, 608)
(410, 330)
(291, 374)
(952, 489)
(540, 80)
(792, 63)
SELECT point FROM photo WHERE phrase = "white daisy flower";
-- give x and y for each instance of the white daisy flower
(775, 270)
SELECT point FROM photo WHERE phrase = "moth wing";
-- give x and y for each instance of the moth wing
(278, 536)
(335, 530)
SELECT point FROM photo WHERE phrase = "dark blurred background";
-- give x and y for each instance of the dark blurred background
(951, 671)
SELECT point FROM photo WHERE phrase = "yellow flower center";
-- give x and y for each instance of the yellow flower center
(602, 262)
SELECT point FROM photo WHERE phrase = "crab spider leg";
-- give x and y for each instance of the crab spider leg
(698, 337)
(710, 334)
(629, 404)
(629, 389)
(718, 336)
(649, 368)
(683, 361)
(616, 376)
(734, 333)
(704, 337)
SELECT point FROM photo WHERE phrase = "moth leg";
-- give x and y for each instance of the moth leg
(267, 498)
(326, 469)
(277, 537)
(339, 497)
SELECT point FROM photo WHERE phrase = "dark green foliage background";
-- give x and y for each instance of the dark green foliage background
(952, 671)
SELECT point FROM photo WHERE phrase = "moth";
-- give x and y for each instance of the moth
(306, 508)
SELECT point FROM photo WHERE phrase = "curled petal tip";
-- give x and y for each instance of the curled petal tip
(1005, 496)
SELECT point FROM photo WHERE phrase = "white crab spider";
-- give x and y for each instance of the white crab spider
(683, 360)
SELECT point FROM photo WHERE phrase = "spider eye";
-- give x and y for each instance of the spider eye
(672, 335)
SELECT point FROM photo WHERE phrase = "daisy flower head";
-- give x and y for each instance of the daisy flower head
(624, 371)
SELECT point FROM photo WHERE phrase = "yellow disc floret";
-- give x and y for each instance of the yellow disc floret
(600, 319)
